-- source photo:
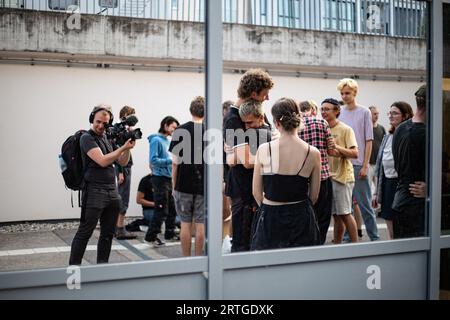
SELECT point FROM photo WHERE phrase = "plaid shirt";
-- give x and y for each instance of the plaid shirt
(316, 132)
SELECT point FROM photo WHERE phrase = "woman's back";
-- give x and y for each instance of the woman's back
(287, 165)
(290, 156)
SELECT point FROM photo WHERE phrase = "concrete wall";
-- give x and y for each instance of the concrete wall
(42, 105)
(113, 37)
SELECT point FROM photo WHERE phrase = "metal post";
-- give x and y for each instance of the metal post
(391, 18)
(435, 65)
(213, 188)
(358, 16)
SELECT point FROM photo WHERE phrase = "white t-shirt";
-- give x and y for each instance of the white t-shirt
(388, 159)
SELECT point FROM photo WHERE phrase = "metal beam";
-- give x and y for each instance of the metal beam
(214, 130)
(435, 63)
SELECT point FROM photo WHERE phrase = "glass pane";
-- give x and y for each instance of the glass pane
(62, 4)
(303, 77)
(446, 126)
(444, 283)
(38, 233)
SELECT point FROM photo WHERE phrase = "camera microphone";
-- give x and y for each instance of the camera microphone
(131, 120)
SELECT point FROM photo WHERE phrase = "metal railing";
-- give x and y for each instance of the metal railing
(404, 18)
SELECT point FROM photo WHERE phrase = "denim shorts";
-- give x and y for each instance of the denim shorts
(190, 207)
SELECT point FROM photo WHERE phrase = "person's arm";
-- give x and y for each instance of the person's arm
(378, 165)
(330, 141)
(351, 153)
(418, 189)
(174, 170)
(368, 134)
(315, 177)
(121, 155)
(244, 156)
(142, 201)
(120, 175)
(230, 156)
(365, 166)
(257, 184)
(124, 158)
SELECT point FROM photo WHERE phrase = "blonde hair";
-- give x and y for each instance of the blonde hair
(351, 83)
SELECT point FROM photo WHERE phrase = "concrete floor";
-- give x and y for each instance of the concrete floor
(50, 249)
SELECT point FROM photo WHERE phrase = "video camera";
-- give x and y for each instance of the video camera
(120, 132)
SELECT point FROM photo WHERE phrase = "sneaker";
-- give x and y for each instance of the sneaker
(174, 237)
(157, 242)
(124, 235)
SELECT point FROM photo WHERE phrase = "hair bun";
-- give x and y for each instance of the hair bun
(290, 121)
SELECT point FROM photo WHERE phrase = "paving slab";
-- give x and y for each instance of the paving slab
(34, 261)
(29, 240)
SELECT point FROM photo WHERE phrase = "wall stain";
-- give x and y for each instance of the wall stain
(257, 37)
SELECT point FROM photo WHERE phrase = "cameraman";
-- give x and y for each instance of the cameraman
(100, 197)
(124, 181)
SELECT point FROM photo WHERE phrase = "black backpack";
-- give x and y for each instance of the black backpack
(71, 161)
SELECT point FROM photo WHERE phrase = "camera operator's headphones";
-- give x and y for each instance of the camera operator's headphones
(97, 109)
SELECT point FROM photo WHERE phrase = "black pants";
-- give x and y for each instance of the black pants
(98, 203)
(124, 189)
(322, 208)
(164, 209)
(241, 220)
(409, 221)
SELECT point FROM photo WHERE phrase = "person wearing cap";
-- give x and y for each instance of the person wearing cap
(100, 198)
(409, 148)
(343, 148)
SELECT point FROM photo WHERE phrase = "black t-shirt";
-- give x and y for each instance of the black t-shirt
(408, 148)
(239, 179)
(146, 187)
(187, 146)
(378, 134)
(94, 173)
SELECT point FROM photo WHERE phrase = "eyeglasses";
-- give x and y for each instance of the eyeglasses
(326, 109)
(393, 113)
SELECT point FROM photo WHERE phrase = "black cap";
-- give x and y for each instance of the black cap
(332, 101)
(421, 92)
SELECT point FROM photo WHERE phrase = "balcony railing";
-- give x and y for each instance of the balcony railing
(403, 18)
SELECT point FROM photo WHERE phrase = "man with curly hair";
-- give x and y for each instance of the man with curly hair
(255, 85)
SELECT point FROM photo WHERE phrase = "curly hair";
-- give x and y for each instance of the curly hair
(197, 107)
(254, 80)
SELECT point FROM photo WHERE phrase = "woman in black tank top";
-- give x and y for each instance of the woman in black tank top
(285, 193)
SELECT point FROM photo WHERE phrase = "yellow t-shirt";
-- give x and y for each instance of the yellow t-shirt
(341, 169)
